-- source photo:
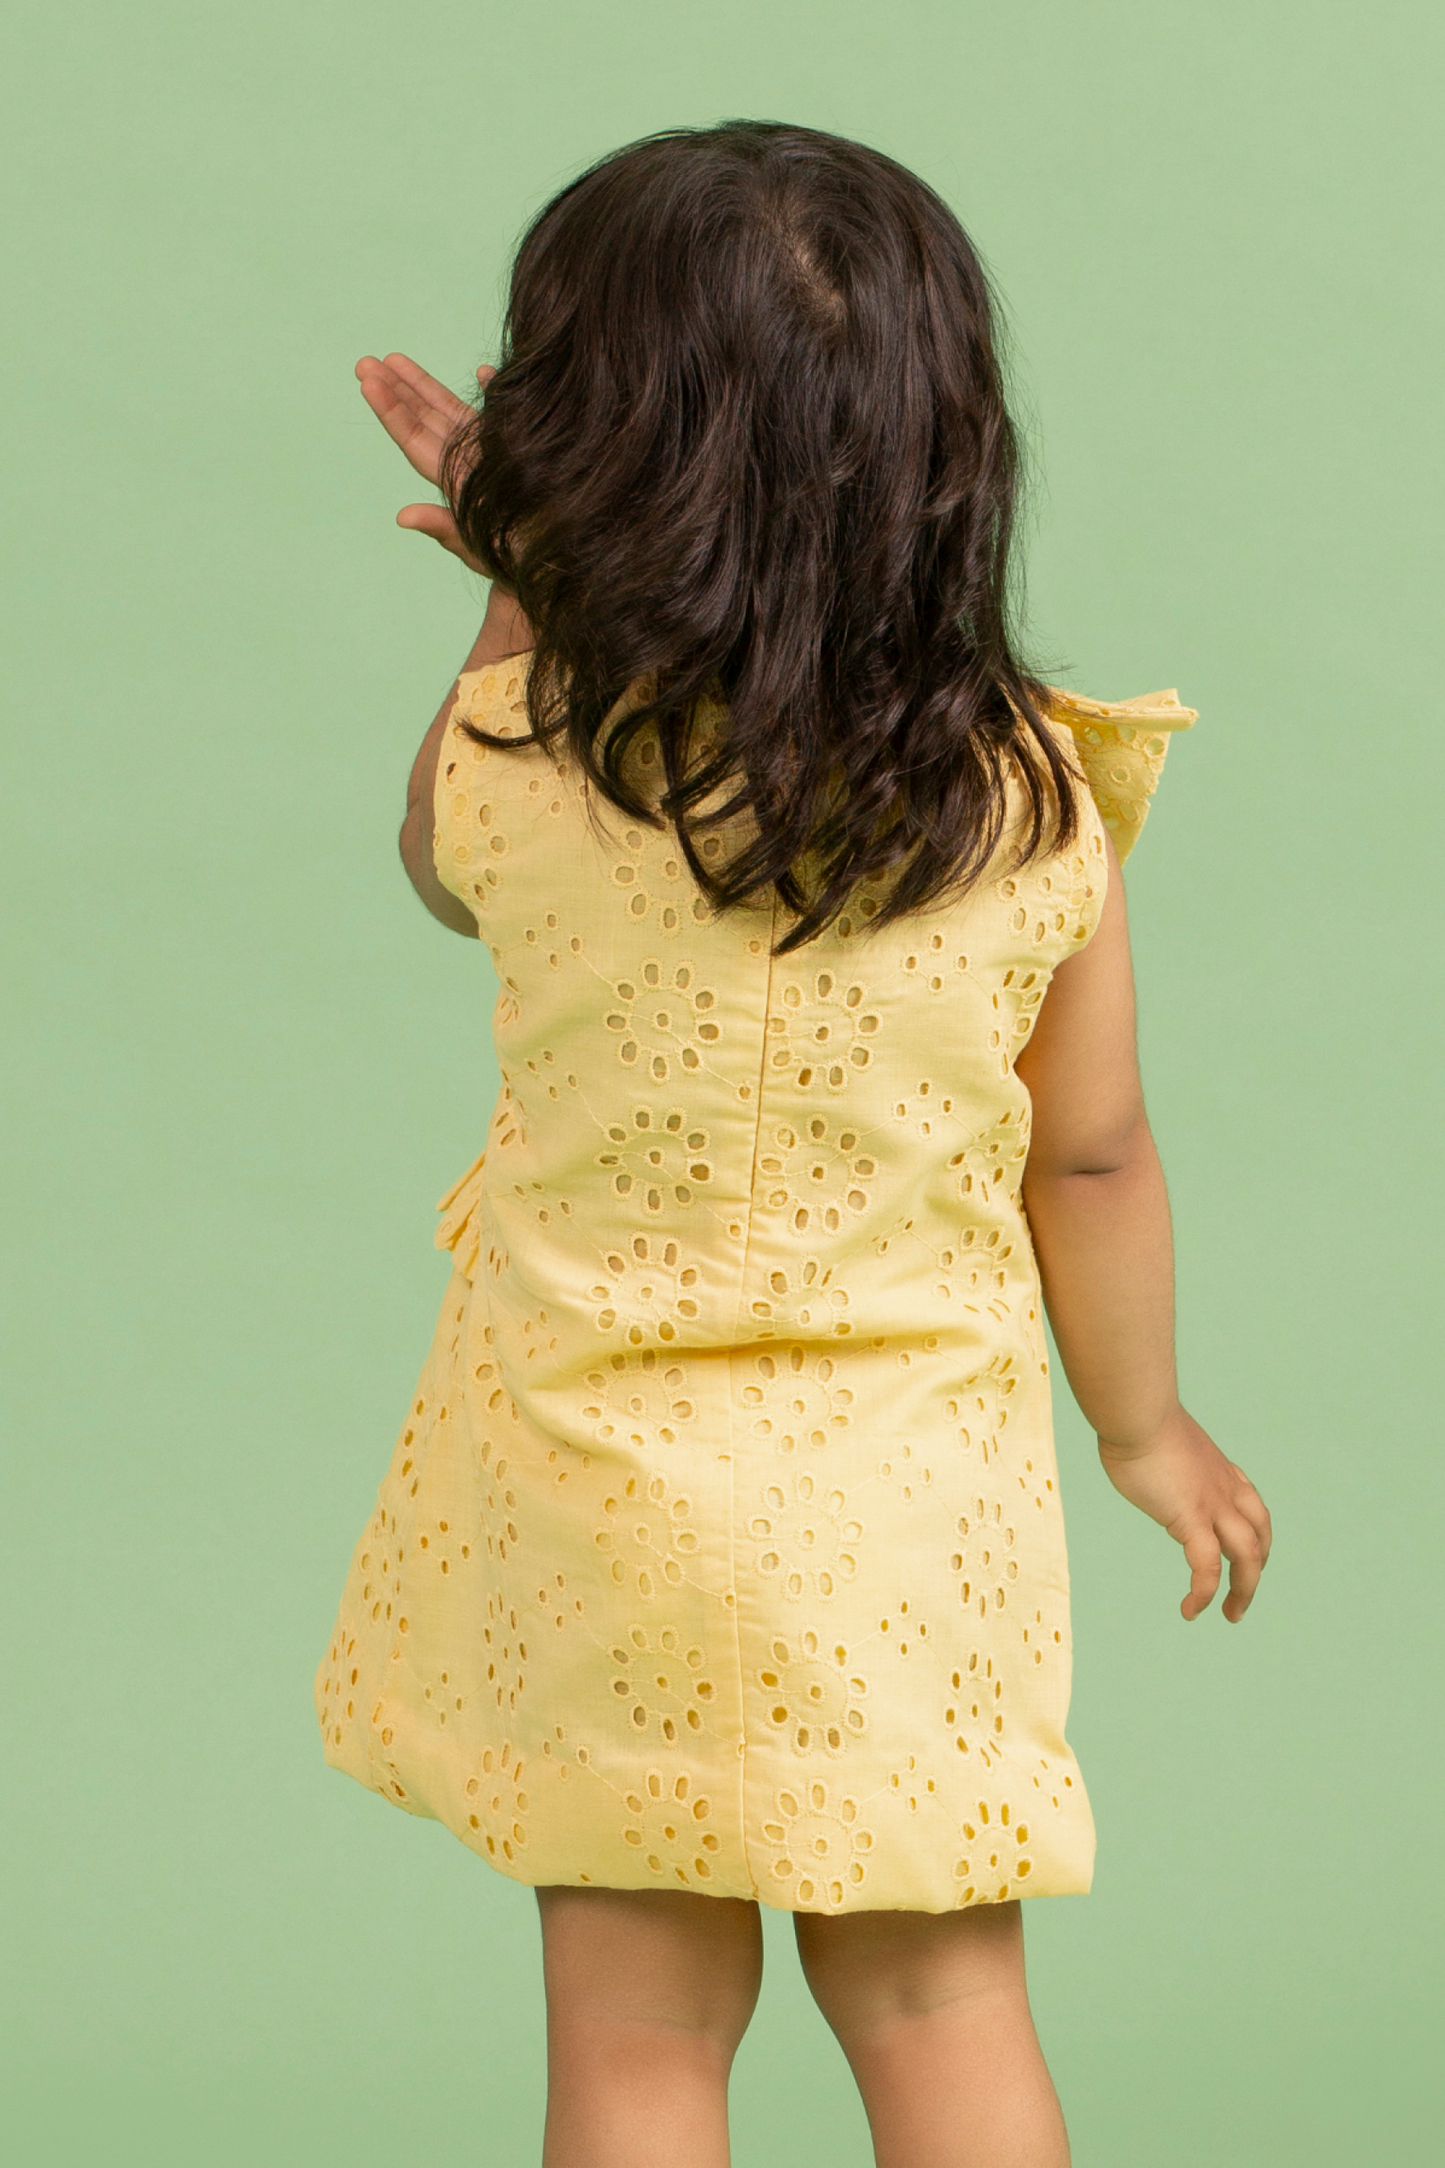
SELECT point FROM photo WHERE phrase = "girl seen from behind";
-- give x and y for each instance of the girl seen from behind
(720, 1561)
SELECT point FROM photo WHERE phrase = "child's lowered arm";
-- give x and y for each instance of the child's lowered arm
(1098, 1212)
(504, 632)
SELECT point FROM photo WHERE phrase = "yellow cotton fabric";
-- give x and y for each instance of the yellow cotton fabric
(721, 1548)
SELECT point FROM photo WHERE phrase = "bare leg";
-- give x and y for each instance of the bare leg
(933, 2015)
(648, 1994)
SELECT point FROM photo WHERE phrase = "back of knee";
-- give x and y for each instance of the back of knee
(869, 1972)
(644, 2038)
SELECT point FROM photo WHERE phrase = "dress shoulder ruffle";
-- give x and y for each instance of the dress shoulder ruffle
(1121, 746)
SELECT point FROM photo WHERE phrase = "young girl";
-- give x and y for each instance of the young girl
(720, 1562)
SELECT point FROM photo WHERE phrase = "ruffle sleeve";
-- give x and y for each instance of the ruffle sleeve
(494, 698)
(1121, 746)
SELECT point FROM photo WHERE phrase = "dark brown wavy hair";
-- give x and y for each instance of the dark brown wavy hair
(748, 444)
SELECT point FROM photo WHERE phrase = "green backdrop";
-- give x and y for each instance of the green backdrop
(246, 1062)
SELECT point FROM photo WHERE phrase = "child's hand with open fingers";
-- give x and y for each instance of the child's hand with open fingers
(1183, 1481)
(419, 415)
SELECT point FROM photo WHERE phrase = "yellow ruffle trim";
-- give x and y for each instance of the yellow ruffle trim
(1121, 746)
(460, 1229)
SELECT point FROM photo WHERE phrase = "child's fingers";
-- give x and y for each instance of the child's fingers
(1245, 1551)
(417, 412)
(397, 411)
(1202, 1556)
(1256, 1512)
(432, 397)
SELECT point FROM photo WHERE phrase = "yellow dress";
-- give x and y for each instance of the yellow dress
(721, 1548)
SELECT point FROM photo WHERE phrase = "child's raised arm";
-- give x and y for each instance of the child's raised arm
(419, 414)
(1099, 1215)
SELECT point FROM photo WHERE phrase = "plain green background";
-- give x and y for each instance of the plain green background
(246, 1062)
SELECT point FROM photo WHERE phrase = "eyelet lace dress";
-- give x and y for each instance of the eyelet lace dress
(721, 1548)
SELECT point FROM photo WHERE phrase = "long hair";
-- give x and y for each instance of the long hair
(747, 452)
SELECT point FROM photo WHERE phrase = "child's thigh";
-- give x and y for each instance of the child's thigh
(669, 1959)
(867, 1969)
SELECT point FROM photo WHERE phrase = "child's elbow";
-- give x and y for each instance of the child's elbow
(1113, 1145)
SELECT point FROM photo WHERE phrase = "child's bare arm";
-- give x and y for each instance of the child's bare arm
(419, 414)
(1099, 1215)
(504, 632)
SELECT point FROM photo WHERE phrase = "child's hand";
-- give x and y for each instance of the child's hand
(1183, 1481)
(419, 414)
